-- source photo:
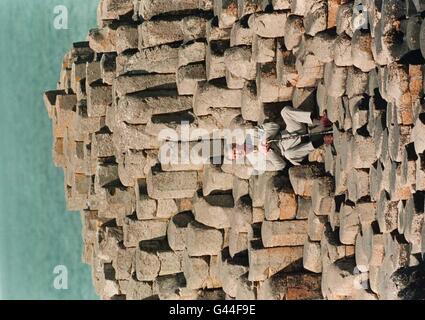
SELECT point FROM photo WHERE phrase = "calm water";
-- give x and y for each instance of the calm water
(36, 231)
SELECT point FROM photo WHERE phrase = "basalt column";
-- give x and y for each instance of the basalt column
(347, 224)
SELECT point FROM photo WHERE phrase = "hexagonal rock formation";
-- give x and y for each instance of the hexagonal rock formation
(347, 224)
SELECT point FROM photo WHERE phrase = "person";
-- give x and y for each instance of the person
(270, 148)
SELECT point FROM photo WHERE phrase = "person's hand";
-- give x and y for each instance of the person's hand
(329, 139)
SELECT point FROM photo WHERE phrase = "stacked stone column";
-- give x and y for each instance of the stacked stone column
(337, 227)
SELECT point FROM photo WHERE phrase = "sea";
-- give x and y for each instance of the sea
(40, 241)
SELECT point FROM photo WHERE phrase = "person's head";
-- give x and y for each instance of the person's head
(236, 151)
(328, 139)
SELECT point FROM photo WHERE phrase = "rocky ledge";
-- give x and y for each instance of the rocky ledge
(346, 225)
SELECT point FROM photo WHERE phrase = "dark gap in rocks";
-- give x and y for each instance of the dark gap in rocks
(363, 131)
(399, 237)
(419, 257)
(364, 199)
(112, 186)
(153, 297)
(339, 201)
(395, 41)
(82, 84)
(422, 161)
(156, 168)
(336, 123)
(108, 61)
(173, 118)
(88, 148)
(282, 183)
(365, 30)
(219, 82)
(331, 31)
(346, 264)
(108, 161)
(167, 86)
(239, 120)
(154, 245)
(246, 200)
(219, 192)
(310, 104)
(256, 231)
(364, 102)
(332, 236)
(179, 278)
(97, 83)
(177, 44)
(110, 224)
(80, 45)
(241, 258)
(269, 8)
(272, 112)
(130, 51)
(418, 199)
(70, 91)
(225, 254)
(411, 152)
(127, 18)
(375, 227)
(410, 282)
(214, 22)
(179, 15)
(143, 187)
(244, 22)
(379, 102)
(256, 244)
(183, 219)
(109, 271)
(139, 72)
(383, 120)
(104, 130)
(133, 216)
(350, 203)
(153, 93)
(224, 200)
(81, 52)
(413, 57)
(93, 178)
(97, 57)
(186, 43)
(294, 267)
(218, 47)
(285, 171)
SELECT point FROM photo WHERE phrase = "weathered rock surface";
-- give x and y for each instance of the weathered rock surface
(156, 76)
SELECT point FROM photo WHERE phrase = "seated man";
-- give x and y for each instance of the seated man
(269, 147)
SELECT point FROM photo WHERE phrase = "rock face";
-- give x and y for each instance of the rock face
(349, 224)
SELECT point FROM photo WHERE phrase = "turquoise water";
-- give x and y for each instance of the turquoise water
(36, 231)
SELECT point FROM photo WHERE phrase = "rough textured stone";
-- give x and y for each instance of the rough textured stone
(156, 77)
